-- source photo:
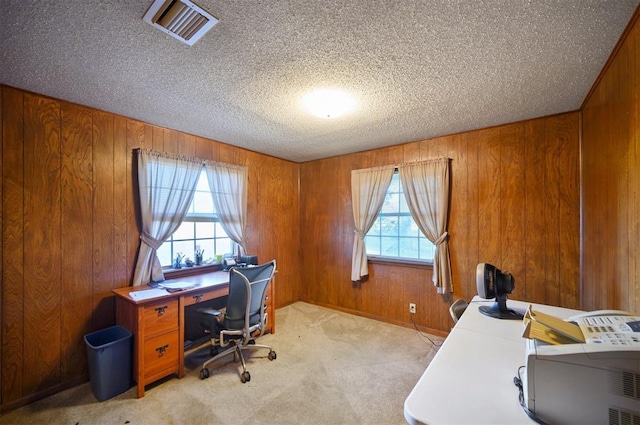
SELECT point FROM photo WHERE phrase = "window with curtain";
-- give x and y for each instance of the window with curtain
(200, 230)
(393, 211)
(394, 233)
(186, 204)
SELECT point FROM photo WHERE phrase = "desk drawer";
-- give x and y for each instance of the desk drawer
(160, 317)
(198, 297)
(161, 356)
(267, 299)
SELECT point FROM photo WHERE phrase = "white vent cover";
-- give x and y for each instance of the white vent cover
(180, 19)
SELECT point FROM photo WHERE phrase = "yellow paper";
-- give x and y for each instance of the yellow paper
(538, 331)
(559, 326)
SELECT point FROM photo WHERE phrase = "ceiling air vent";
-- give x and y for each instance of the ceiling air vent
(180, 19)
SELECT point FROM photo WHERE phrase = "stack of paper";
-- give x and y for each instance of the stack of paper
(176, 286)
(147, 294)
(550, 329)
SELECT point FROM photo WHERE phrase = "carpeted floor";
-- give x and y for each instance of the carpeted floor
(331, 368)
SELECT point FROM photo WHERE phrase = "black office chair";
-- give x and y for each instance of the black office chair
(457, 308)
(244, 319)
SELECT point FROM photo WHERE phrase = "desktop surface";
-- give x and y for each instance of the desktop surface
(137, 294)
(470, 380)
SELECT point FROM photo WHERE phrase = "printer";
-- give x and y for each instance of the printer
(594, 382)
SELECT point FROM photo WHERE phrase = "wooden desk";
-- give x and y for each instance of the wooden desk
(158, 324)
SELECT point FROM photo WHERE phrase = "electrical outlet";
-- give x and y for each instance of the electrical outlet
(412, 308)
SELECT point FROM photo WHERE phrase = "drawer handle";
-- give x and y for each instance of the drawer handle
(161, 310)
(162, 350)
(197, 297)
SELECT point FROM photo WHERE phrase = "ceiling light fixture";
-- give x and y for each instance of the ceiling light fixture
(328, 103)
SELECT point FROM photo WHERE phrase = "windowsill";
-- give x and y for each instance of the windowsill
(400, 262)
(171, 273)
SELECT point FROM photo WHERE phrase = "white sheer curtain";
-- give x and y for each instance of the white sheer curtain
(166, 184)
(228, 184)
(368, 190)
(426, 188)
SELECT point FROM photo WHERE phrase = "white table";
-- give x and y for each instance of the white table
(470, 380)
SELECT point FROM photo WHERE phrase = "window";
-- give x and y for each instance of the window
(201, 229)
(395, 234)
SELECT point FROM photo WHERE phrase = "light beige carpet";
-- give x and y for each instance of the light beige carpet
(331, 368)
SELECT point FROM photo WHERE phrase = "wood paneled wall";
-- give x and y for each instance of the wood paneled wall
(514, 203)
(611, 182)
(69, 233)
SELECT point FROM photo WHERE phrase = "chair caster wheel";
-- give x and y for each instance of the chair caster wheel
(272, 355)
(204, 373)
(245, 377)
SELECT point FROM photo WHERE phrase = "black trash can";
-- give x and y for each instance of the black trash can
(109, 355)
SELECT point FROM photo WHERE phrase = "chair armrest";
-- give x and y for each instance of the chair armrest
(209, 312)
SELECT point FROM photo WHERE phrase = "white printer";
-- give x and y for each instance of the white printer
(595, 382)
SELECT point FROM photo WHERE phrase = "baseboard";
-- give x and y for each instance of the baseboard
(411, 325)
(15, 404)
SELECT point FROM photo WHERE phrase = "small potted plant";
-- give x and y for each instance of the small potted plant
(198, 255)
(177, 262)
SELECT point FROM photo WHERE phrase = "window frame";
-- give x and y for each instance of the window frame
(397, 260)
(196, 217)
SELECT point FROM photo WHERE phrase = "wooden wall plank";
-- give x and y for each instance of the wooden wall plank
(122, 210)
(157, 138)
(256, 199)
(468, 284)
(227, 154)
(77, 225)
(171, 141)
(339, 198)
(13, 322)
(186, 144)
(489, 211)
(462, 266)
(317, 254)
(139, 135)
(513, 204)
(203, 148)
(42, 239)
(410, 152)
(596, 201)
(569, 211)
(535, 230)
(103, 220)
(551, 214)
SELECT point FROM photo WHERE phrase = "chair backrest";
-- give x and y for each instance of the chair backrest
(247, 291)
(457, 308)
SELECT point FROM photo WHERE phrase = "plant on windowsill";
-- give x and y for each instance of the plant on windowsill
(199, 254)
(205, 267)
(177, 262)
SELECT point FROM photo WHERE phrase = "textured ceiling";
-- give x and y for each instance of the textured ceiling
(418, 69)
